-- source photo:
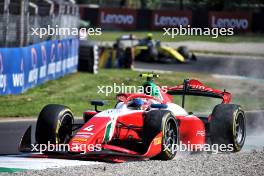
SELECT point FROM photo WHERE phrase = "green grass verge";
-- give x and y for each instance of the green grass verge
(158, 35)
(76, 90)
(11, 170)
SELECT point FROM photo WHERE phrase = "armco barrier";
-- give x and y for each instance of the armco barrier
(24, 68)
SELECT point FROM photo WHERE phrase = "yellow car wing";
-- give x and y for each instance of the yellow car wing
(172, 52)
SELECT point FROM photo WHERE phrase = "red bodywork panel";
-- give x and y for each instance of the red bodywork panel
(136, 119)
(192, 130)
(91, 132)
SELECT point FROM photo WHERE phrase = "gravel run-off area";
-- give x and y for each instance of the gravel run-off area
(243, 163)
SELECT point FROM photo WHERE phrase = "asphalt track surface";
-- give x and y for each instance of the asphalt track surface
(11, 132)
(232, 65)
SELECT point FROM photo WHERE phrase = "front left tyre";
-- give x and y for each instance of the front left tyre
(54, 125)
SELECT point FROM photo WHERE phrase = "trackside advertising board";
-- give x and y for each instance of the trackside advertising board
(167, 18)
(240, 21)
(24, 68)
(117, 18)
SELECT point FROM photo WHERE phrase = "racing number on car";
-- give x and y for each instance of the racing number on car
(89, 128)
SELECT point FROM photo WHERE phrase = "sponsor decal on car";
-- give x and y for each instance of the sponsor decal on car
(157, 140)
(79, 139)
(82, 136)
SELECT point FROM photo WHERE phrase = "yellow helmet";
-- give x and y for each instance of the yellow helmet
(150, 35)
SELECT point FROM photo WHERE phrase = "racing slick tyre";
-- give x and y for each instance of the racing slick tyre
(228, 127)
(54, 125)
(183, 50)
(157, 121)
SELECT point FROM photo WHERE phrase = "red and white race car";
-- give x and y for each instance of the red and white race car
(141, 125)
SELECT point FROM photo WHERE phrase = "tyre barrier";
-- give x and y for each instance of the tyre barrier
(88, 57)
(93, 57)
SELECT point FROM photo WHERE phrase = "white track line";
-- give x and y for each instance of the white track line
(39, 163)
(24, 119)
(151, 70)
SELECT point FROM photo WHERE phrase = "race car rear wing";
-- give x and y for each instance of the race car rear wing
(196, 88)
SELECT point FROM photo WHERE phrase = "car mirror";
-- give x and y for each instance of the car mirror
(96, 103)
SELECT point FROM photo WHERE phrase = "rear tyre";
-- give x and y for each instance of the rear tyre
(228, 127)
(183, 50)
(157, 121)
(54, 125)
(193, 57)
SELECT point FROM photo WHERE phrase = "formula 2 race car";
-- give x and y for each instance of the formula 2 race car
(151, 50)
(140, 126)
(128, 48)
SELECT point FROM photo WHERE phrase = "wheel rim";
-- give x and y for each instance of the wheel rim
(65, 129)
(239, 129)
(170, 135)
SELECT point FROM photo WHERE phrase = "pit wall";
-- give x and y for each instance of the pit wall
(26, 67)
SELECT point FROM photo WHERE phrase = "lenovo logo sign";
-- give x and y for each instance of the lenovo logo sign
(240, 21)
(117, 18)
(161, 18)
(170, 21)
(230, 23)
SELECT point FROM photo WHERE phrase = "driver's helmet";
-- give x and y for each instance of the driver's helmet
(150, 36)
(135, 104)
